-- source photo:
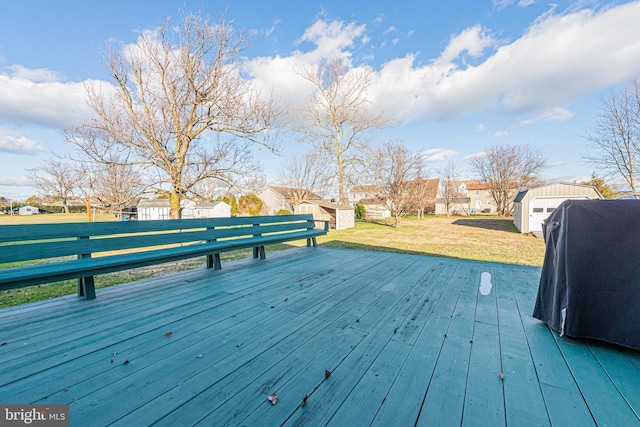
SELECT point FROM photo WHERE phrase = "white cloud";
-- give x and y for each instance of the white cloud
(14, 143)
(526, 3)
(552, 115)
(391, 29)
(561, 57)
(19, 181)
(437, 154)
(480, 127)
(475, 155)
(556, 164)
(473, 41)
(281, 73)
(35, 75)
(332, 38)
(501, 133)
(36, 97)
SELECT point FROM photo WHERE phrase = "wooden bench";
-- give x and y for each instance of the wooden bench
(104, 247)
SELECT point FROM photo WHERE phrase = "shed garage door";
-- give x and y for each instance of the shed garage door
(540, 208)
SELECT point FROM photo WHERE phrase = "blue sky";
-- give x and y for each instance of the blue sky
(457, 77)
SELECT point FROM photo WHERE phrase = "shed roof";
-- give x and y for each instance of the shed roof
(521, 195)
(328, 204)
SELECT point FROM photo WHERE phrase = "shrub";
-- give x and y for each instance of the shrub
(283, 212)
(359, 211)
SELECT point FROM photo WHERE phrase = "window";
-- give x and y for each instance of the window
(538, 210)
(550, 209)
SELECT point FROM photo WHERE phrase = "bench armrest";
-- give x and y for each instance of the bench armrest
(326, 224)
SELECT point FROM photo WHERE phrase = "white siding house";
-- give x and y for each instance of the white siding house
(531, 207)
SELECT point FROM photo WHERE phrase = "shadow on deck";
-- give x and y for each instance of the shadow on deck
(408, 340)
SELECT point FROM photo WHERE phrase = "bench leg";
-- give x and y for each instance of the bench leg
(86, 287)
(312, 242)
(213, 261)
(260, 251)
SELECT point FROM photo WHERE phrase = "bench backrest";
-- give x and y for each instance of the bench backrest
(24, 242)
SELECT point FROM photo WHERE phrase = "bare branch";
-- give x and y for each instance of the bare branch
(179, 108)
(339, 117)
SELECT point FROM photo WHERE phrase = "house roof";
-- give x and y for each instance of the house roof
(430, 187)
(288, 192)
(477, 185)
(365, 189)
(153, 203)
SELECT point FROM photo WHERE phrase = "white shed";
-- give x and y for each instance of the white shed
(212, 210)
(531, 207)
(339, 216)
(28, 210)
(154, 209)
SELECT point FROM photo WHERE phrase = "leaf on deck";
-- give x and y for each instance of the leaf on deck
(168, 334)
(273, 398)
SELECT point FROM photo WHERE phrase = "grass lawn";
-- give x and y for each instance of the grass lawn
(480, 238)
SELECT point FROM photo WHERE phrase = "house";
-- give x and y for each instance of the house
(426, 194)
(339, 216)
(283, 198)
(454, 200)
(423, 200)
(531, 207)
(469, 197)
(217, 209)
(371, 197)
(155, 209)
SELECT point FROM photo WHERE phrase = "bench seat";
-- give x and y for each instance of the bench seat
(196, 237)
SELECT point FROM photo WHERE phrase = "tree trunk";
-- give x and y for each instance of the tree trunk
(174, 206)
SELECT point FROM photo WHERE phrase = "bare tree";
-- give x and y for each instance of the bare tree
(59, 182)
(305, 175)
(394, 169)
(615, 138)
(449, 193)
(179, 108)
(339, 117)
(507, 170)
(113, 187)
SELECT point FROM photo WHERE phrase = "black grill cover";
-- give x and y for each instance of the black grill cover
(590, 284)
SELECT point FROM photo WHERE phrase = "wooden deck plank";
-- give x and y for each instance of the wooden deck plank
(409, 340)
(524, 400)
(484, 396)
(407, 393)
(444, 400)
(606, 404)
(563, 399)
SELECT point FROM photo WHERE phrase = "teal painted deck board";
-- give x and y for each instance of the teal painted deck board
(524, 400)
(394, 330)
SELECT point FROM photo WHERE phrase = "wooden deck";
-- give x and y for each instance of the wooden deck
(408, 340)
